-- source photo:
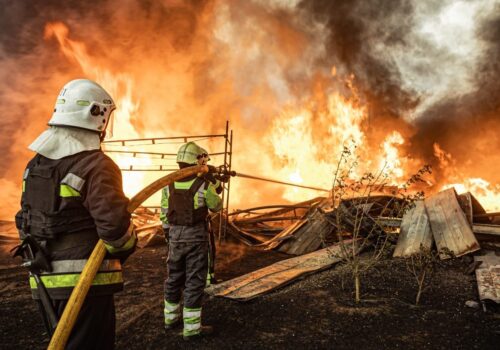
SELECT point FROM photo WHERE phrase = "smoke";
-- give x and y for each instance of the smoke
(426, 69)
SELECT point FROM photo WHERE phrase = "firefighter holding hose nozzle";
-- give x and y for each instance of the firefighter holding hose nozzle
(185, 209)
(72, 197)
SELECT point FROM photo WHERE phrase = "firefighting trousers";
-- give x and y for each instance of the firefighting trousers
(95, 325)
(187, 265)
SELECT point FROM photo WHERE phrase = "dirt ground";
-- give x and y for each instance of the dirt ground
(316, 312)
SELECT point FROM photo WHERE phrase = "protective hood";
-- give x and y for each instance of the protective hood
(59, 142)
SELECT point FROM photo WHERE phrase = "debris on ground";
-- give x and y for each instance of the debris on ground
(455, 224)
(269, 278)
(415, 232)
(488, 277)
(451, 230)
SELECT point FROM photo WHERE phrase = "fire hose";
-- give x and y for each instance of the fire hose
(223, 171)
(79, 293)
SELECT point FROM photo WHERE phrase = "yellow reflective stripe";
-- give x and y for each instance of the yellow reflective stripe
(164, 205)
(196, 200)
(70, 280)
(24, 185)
(183, 185)
(67, 191)
(172, 307)
(83, 103)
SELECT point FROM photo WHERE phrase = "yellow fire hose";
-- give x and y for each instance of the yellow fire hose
(75, 302)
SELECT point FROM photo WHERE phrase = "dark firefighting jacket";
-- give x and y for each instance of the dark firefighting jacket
(66, 206)
(186, 202)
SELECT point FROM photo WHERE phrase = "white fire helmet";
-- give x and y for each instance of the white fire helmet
(83, 104)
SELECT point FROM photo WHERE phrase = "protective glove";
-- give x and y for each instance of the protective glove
(222, 177)
(210, 177)
(212, 169)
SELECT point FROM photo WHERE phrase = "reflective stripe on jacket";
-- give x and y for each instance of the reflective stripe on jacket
(66, 273)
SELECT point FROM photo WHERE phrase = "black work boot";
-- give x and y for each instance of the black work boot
(204, 332)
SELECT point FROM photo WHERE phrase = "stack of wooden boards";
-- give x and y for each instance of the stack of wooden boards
(456, 224)
(449, 221)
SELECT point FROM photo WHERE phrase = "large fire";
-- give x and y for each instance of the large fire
(293, 98)
(297, 150)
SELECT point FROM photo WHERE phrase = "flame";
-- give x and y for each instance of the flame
(487, 194)
(391, 161)
(305, 138)
(120, 86)
(311, 155)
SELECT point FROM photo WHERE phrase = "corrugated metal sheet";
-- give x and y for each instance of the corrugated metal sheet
(415, 232)
(488, 277)
(262, 281)
(308, 237)
(450, 227)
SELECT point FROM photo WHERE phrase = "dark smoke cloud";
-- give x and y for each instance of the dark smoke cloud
(466, 126)
(286, 54)
(355, 29)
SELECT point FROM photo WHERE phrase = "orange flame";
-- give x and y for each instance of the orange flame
(120, 86)
(305, 139)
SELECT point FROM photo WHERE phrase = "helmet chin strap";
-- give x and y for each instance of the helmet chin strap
(102, 135)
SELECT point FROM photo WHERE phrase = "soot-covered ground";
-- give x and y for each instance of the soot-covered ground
(316, 312)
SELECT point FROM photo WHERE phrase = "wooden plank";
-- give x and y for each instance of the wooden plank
(488, 277)
(388, 221)
(450, 227)
(283, 211)
(284, 235)
(483, 229)
(308, 238)
(262, 281)
(415, 232)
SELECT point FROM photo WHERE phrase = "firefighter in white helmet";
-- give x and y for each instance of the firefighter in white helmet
(185, 205)
(72, 197)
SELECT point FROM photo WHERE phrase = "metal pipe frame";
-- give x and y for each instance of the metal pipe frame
(224, 204)
(229, 181)
(162, 155)
(154, 139)
(227, 162)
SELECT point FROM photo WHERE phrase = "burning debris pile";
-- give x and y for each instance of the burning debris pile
(322, 77)
(450, 224)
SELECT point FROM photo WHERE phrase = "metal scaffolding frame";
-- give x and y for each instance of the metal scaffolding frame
(227, 160)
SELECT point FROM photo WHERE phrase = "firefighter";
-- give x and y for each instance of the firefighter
(72, 197)
(185, 206)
